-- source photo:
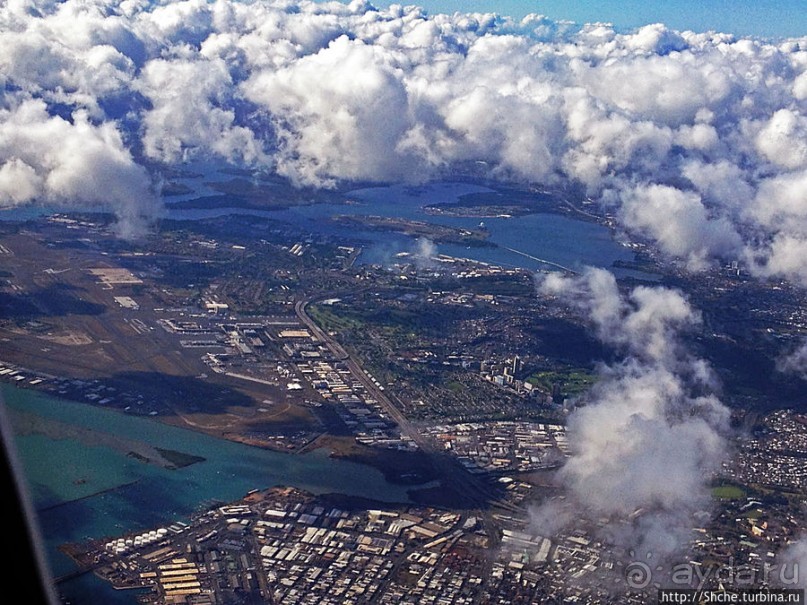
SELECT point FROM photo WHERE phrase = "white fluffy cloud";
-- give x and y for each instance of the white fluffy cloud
(638, 445)
(189, 100)
(783, 139)
(340, 112)
(47, 158)
(794, 362)
(644, 323)
(687, 231)
(651, 431)
(784, 256)
(665, 125)
(781, 203)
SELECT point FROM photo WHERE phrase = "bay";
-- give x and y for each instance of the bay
(133, 495)
(535, 241)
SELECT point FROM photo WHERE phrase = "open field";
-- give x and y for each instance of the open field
(728, 492)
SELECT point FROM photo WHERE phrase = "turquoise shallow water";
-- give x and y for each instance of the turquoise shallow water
(141, 495)
(82, 470)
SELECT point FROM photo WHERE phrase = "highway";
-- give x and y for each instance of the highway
(541, 260)
(475, 488)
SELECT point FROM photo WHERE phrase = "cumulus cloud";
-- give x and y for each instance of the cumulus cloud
(800, 87)
(687, 231)
(784, 257)
(721, 184)
(341, 112)
(783, 139)
(199, 116)
(663, 125)
(650, 433)
(779, 204)
(48, 159)
(644, 323)
(794, 362)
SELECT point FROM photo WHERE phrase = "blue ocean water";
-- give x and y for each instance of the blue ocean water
(559, 239)
(139, 495)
